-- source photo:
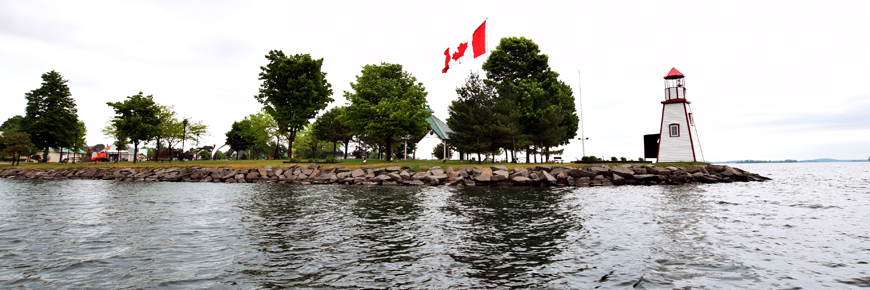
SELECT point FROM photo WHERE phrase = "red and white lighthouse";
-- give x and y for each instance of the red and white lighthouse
(678, 136)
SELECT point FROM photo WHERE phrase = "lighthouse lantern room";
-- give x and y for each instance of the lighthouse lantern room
(678, 136)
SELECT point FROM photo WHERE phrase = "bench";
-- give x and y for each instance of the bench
(557, 159)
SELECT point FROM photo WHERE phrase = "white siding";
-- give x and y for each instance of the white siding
(696, 140)
(675, 149)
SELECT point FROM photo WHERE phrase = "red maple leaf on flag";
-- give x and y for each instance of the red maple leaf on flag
(460, 51)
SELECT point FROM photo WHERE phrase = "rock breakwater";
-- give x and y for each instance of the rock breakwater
(542, 175)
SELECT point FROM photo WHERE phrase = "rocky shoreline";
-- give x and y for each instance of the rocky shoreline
(541, 175)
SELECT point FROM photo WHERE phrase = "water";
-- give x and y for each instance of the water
(809, 228)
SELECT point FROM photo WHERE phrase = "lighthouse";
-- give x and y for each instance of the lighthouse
(678, 136)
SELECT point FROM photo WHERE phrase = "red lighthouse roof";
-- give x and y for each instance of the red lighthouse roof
(674, 74)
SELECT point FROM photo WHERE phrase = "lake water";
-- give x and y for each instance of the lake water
(808, 228)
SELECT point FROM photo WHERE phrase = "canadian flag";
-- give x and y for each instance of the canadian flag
(478, 46)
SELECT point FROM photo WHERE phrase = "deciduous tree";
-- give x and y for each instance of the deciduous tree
(136, 119)
(523, 76)
(328, 127)
(387, 103)
(241, 136)
(16, 144)
(12, 124)
(294, 89)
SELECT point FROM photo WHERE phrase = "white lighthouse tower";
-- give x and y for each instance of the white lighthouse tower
(678, 137)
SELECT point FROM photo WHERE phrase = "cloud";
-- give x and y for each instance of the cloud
(854, 117)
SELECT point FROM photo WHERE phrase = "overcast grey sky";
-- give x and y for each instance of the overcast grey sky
(767, 79)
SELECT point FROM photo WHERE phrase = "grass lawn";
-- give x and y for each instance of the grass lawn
(350, 163)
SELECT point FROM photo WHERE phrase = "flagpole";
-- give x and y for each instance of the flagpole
(580, 97)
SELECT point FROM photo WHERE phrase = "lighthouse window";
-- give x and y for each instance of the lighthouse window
(675, 130)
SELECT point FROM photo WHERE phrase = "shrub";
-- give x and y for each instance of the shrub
(294, 160)
(330, 159)
(312, 160)
(623, 159)
(640, 159)
(613, 158)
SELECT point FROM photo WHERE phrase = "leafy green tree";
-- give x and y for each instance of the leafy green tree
(438, 151)
(309, 142)
(172, 130)
(534, 94)
(12, 124)
(136, 119)
(294, 89)
(329, 127)
(265, 129)
(241, 136)
(387, 104)
(16, 143)
(51, 114)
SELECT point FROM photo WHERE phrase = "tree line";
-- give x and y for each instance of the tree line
(520, 106)
(51, 121)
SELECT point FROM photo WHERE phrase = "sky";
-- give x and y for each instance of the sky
(768, 80)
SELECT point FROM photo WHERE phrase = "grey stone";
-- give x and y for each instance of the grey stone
(549, 178)
(498, 167)
(522, 180)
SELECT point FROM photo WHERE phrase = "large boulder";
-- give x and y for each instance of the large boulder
(549, 178)
(660, 171)
(420, 175)
(454, 182)
(485, 175)
(622, 171)
(498, 167)
(580, 173)
(522, 180)
(357, 173)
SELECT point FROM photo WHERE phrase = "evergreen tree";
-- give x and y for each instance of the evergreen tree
(473, 118)
(387, 103)
(136, 119)
(51, 115)
(294, 89)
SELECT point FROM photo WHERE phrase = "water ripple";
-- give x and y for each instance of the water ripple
(806, 229)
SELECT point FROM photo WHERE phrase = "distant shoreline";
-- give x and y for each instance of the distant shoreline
(822, 160)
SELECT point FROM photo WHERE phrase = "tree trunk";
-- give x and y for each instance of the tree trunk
(275, 154)
(290, 140)
(527, 154)
(478, 158)
(389, 149)
(345, 149)
(547, 152)
(135, 151)
(157, 154)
